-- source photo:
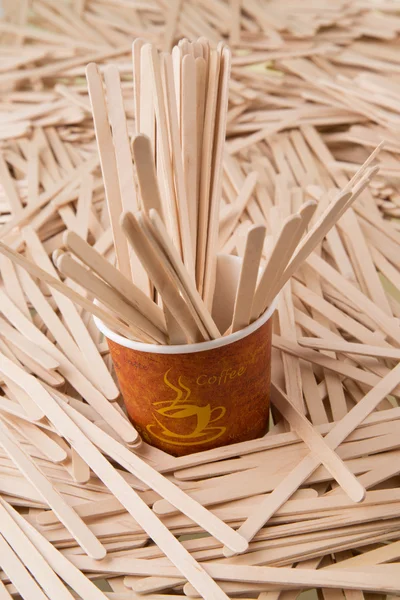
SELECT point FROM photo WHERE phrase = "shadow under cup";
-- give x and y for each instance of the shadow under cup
(189, 398)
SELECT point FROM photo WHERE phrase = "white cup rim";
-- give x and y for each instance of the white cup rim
(186, 348)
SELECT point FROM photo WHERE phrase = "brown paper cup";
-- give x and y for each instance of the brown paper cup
(188, 398)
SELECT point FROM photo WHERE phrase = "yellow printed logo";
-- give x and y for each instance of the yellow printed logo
(171, 413)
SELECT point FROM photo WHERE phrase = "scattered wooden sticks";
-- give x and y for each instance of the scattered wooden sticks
(309, 104)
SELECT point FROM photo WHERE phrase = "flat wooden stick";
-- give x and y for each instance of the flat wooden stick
(107, 296)
(185, 281)
(332, 214)
(178, 162)
(128, 290)
(146, 174)
(158, 483)
(108, 163)
(31, 558)
(337, 345)
(272, 267)
(120, 136)
(248, 277)
(55, 559)
(189, 135)
(159, 276)
(338, 579)
(306, 212)
(206, 163)
(171, 215)
(123, 157)
(34, 270)
(123, 491)
(216, 183)
(85, 538)
(308, 465)
(18, 574)
(376, 579)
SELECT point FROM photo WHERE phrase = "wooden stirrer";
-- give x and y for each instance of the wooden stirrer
(306, 212)
(146, 174)
(18, 574)
(177, 162)
(327, 220)
(78, 529)
(128, 290)
(55, 559)
(206, 166)
(86, 304)
(217, 170)
(108, 163)
(307, 466)
(268, 275)
(121, 489)
(31, 558)
(160, 278)
(248, 277)
(185, 281)
(110, 298)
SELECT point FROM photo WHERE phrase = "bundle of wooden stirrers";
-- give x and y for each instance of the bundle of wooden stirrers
(168, 234)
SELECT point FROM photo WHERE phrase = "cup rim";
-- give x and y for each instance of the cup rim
(187, 348)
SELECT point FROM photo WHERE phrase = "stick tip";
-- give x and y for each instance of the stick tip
(91, 69)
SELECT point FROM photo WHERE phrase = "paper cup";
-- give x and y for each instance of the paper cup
(187, 398)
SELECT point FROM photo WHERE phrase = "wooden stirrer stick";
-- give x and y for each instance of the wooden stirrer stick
(18, 574)
(146, 174)
(177, 163)
(55, 559)
(171, 215)
(122, 490)
(276, 258)
(185, 281)
(85, 538)
(206, 166)
(31, 558)
(159, 276)
(332, 214)
(108, 164)
(248, 277)
(128, 290)
(123, 157)
(307, 466)
(35, 271)
(210, 268)
(189, 107)
(110, 298)
(305, 213)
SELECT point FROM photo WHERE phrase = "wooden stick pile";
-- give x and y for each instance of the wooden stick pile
(88, 510)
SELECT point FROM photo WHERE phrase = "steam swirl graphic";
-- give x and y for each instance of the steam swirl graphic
(179, 411)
